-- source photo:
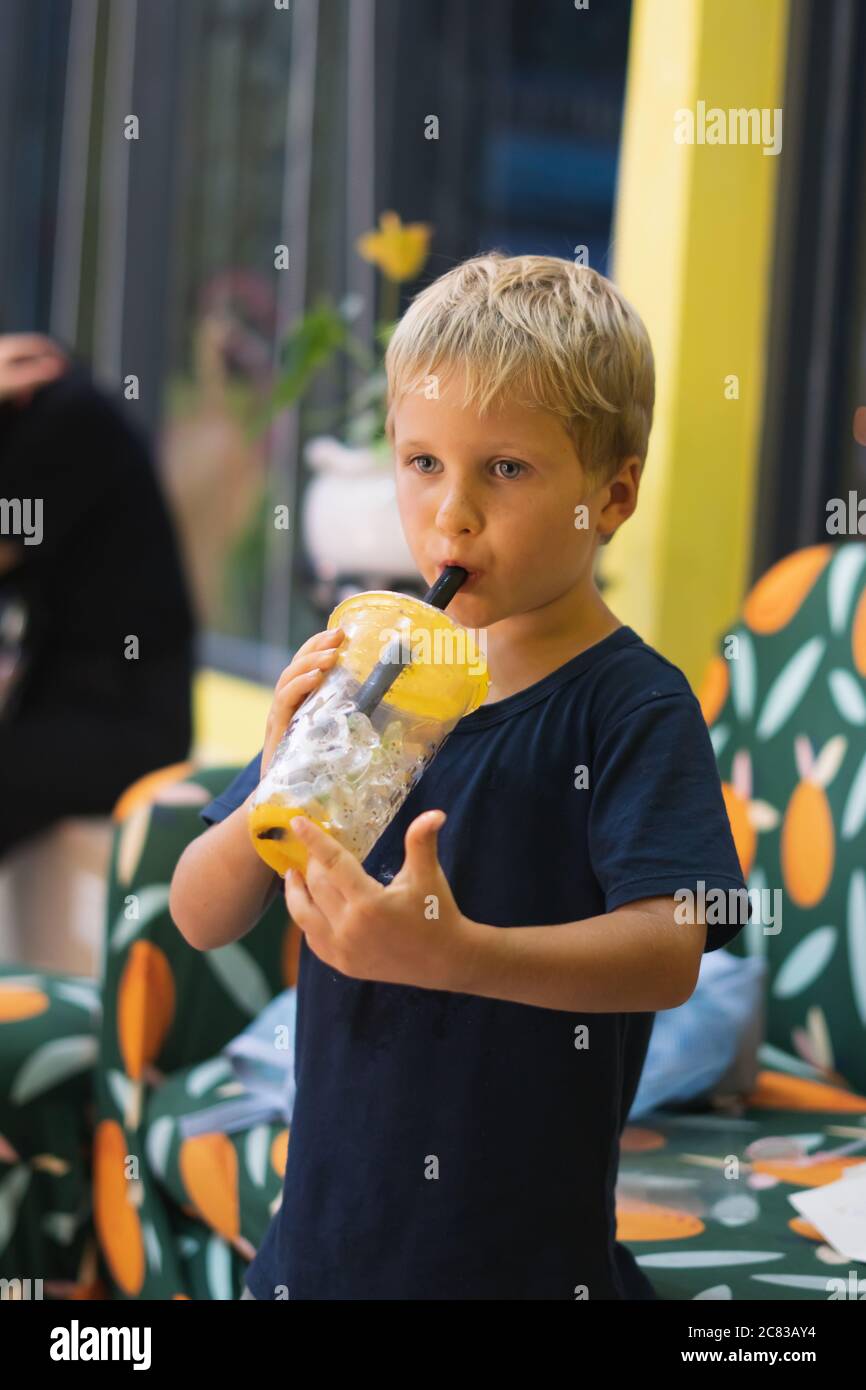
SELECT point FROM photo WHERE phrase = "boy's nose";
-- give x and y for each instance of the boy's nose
(458, 514)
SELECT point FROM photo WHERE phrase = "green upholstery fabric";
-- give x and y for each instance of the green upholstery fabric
(254, 1158)
(786, 706)
(791, 737)
(703, 1223)
(49, 1041)
(168, 1008)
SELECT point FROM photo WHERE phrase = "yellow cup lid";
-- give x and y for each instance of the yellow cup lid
(447, 677)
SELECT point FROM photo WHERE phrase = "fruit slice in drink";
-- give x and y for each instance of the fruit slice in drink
(275, 841)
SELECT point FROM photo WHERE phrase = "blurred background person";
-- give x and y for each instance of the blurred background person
(96, 627)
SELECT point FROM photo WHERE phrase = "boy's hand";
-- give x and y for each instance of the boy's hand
(300, 678)
(408, 933)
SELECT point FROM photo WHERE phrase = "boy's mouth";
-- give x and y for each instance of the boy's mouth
(473, 575)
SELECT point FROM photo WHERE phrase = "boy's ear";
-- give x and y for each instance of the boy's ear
(626, 463)
(633, 467)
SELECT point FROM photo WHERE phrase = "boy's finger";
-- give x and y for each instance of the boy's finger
(322, 639)
(307, 659)
(289, 696)
(317, 660)
(330, 638)
(300, 905)
(421, 843)
(323, 891)
(343, 868)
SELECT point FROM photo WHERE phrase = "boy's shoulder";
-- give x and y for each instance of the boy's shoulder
(631, 675)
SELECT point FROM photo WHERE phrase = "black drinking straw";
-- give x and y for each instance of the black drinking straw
(386, 671)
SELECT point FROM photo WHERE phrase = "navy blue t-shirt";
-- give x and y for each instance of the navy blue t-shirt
(451, 1146)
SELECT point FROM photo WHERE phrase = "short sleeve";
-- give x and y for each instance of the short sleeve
(235, 793)
(657, 818)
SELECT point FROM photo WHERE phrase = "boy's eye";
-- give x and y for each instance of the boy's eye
(509, 463)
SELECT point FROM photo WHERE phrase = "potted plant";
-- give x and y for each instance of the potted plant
(350, 523)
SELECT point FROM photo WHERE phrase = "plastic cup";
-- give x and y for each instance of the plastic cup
(351, 772)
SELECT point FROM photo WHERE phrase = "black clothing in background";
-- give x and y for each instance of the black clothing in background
(85, 721)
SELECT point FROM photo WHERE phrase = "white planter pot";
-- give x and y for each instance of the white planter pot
(350, 520)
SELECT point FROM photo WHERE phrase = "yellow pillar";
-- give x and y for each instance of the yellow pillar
(692, 251)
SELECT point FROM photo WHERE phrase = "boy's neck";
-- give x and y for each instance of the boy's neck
(525, 648)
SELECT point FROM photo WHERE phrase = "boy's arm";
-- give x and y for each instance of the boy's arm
(637, 958)
(642, 956)
(221, 888)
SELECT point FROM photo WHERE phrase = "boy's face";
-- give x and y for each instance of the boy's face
(498, 495)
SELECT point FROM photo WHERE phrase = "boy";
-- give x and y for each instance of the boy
(464, 1074)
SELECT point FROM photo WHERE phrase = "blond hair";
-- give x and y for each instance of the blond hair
(543, 332)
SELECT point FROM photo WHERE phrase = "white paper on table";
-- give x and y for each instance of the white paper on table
(838, 1209)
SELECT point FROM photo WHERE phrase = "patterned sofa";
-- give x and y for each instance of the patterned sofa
(102, 1195)
(703, 1197)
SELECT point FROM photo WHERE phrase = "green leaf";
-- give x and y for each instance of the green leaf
(306, 350)
(241, 977)
(218, 1268)
(152, 902)
(52, 1063)
(12, 1190)
(256, 1150)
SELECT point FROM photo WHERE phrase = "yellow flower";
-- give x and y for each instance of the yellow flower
(399, 251)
